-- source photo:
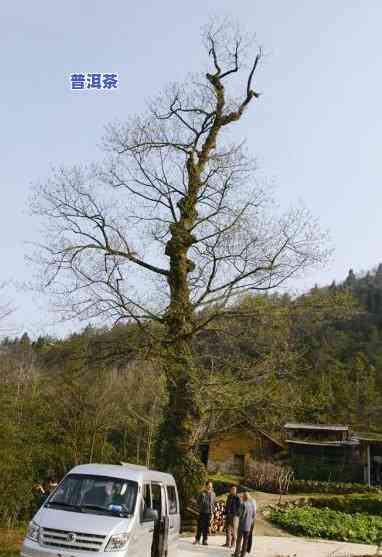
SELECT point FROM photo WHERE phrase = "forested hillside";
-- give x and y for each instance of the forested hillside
(99, 395)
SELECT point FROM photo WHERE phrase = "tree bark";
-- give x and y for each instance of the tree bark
(177, 444)
(177, 447)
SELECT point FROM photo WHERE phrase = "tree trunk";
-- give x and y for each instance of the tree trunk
(177, 444)
(177, 448)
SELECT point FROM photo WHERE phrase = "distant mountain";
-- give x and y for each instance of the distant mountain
(367, 288)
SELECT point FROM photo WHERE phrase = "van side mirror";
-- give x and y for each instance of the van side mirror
(150, 515)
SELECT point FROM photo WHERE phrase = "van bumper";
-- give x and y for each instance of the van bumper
(34, 549)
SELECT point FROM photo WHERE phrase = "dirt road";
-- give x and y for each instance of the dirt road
(269, 546)
(272, 542)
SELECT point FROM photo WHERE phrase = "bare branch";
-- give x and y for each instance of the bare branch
(175, 208)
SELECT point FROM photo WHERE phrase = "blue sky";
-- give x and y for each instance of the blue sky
(316, 131)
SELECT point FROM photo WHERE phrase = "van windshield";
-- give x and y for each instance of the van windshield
(95, 494)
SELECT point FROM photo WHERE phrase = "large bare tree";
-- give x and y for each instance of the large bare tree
(172, 227)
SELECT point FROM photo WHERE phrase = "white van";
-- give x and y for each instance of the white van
(115, 511)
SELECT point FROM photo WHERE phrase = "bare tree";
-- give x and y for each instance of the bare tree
(171, 224)
(5, 307)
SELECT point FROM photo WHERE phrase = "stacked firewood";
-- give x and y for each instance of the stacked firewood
(217, 521)
(189, 519)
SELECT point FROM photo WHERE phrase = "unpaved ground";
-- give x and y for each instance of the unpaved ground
(272, 542)
(269, 546)
(263, 500)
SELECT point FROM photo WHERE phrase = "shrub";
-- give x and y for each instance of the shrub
(223, 482)
(222, 486)
(329, 524)
(365, 503)
(313, 486)
(267, 476)
(16, 481)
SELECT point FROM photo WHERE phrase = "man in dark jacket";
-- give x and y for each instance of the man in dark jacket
(246, 524)
(206, 504)
(232, 511)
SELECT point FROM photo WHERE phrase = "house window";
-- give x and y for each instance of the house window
(238, 464)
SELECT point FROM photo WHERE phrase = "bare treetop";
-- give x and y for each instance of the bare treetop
(175, 203)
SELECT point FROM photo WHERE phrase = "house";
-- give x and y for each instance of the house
(371, 457)
(334, 453)
(316, 432)
(231, 450)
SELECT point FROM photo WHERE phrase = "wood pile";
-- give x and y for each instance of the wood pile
(189, 519)
(217, 524)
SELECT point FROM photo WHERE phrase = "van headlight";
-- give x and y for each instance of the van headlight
(117, 542)
(33, 532)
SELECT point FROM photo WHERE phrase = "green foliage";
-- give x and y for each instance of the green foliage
(23, 433)
(191, 476)
(100, 395)
(313, 486)
(329, 524)
(16, 481)
(71, 409)
(367, 288)
(224, 482)
(365, 503)
(177, 429)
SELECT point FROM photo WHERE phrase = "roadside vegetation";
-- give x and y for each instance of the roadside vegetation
(349, 518)
(357, 503)
(329, 524)
(335, 488)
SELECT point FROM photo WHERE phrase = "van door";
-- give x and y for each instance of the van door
(160, 541)
(174, 519)
(142, 535)
(165, 521)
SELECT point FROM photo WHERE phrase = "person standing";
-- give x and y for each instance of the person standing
(232, 512)
(206, 504)
(246, 524)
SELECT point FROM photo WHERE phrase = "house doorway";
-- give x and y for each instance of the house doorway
(239, 464)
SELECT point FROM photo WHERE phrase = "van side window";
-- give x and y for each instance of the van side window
(146, 499)
(157, 498)
(172, 500)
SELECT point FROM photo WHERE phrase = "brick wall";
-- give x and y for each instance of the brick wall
(223, 448)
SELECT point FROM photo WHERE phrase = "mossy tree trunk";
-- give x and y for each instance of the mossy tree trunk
(177, 447)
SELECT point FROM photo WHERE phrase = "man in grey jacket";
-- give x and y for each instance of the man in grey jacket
(246, 524)
(206, 504)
